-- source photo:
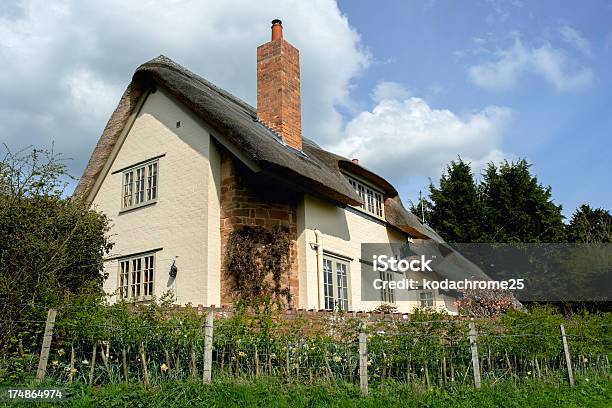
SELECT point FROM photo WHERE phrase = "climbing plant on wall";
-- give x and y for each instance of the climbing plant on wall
(256, 260)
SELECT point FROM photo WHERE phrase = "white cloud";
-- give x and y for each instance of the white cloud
(90, 94)
(576, 40)
(550, 63)
(405, 137)
(65, 64)
(389, 90)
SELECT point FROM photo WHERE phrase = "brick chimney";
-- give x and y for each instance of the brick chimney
(278, 87)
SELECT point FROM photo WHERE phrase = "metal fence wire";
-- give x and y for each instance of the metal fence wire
(441, 352)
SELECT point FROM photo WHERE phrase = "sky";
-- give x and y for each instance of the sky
(404, 86)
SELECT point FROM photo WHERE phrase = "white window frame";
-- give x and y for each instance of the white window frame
(425, 300)
(136, 277)
(373, 199)
(387, 295)
(140, 185)
(338, 270)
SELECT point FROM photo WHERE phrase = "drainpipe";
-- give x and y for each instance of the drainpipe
(319, 249)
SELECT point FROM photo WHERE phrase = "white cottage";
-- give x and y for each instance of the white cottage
(182, 163)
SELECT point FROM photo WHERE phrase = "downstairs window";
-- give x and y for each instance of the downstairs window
(335, 284)
(136, 277)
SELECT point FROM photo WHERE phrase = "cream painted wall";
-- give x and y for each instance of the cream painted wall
(342, 232)
(185, 219)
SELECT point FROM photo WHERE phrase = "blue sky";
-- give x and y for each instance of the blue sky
(565, 132)
(404, 86)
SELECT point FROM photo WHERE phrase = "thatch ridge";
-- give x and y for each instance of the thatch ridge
(313, 170)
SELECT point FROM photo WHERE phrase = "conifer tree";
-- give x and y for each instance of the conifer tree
(454, 209)
(517, 207)
(590, 225)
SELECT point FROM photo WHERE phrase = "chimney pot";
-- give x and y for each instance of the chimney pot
(356, 161)
(277, 30)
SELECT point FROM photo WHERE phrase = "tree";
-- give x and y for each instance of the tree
(517, 208)
(590, 226)
(51, 247)
(454, 209)
(508, 205)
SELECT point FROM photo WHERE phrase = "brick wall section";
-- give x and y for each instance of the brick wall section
(278, 90)
(245, 201)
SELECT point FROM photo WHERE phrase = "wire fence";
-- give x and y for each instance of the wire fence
(443, 351)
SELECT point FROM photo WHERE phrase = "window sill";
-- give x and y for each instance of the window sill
(138, 299)
(138, 206)
(366, 214)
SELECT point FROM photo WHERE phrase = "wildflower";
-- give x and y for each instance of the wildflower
(337, 359)
(380, 332)
(164, 367)
(528, 372)
(241, 354)
(73, 371)
(61, 352)
(586, 379)
(55, 363)
(85, 362)
(586, 360)
(422, 368)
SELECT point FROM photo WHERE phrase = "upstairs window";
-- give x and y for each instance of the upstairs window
(136, 277)
(372, 198)
(140, 185)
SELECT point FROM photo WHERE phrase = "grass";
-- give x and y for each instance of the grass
(272, 392)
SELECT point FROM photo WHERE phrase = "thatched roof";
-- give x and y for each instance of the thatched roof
(313, 170)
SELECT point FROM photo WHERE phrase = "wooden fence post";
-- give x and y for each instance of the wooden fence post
(145, 371)
(46, 345)
(93, 363)
(475, 360)
(208, 346)
(124, 363)
(363, 359)
(72, 359)
(568, 358)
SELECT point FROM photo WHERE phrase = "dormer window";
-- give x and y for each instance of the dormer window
(372, 199)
